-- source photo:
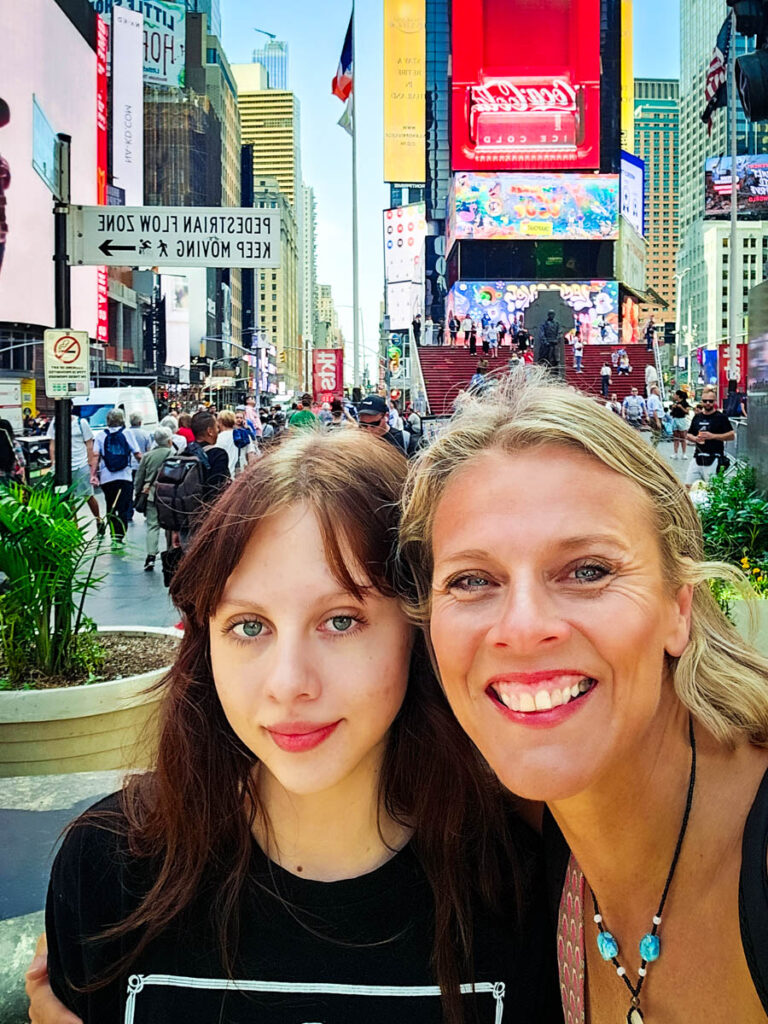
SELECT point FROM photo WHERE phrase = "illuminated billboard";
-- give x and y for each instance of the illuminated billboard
(164, 37)
(633, 191)
(404, 75)
(65, 88)
(405, 230)
(535, 206)
(526, 85)
(751, 185)
(593, 306)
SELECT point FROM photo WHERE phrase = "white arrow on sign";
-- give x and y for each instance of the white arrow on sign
(175, 236)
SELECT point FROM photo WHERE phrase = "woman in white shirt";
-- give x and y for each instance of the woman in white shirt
(226, 439)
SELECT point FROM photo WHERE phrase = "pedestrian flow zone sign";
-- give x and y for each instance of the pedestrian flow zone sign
(67, 363)
(176, 236)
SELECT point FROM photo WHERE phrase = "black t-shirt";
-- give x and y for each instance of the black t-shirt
(715, 423)
(332, 953)
(218, 472)
(396, 439)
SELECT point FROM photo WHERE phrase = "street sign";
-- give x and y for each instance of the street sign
(175, 236)
(67, 363)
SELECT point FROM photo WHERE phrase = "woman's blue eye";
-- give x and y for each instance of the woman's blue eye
(468, 583)
(342, 623)
(251, 628)
(590, 573)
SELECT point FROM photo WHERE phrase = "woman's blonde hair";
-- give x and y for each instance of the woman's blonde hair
(720, 678)
(226, 419)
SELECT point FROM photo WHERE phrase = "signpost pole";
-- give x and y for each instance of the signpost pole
(733, 294)
(62, 406)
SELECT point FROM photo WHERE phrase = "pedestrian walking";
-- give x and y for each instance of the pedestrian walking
(578, 354)
(416, 328)
(115, 450)
(485, 337)
(634, 410)
(83, 463)
(466, 328)
(655, 411)
(144, 491)
(453, 329)
(681, 421)
(492, 336)
(709, 430)
(472, 338)
(605, 378)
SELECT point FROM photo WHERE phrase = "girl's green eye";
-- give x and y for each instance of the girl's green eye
(250, 629)
(341, 623)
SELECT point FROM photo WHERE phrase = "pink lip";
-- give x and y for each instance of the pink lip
(541, 719)
(529, 678)
(296, 737)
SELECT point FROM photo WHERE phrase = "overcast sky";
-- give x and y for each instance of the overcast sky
(314, 30)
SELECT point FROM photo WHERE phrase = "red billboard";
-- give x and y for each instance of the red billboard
(327, 374)
(102, 127)
(526, 85)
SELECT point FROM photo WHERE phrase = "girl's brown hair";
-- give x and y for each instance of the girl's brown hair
(194, 813)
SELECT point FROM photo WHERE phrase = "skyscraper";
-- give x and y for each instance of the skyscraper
(274, 58)
(269, 123)
(657, 132)
(309, 275)
(703, 272)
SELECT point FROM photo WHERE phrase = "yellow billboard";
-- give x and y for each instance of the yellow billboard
(627, 80)
(404, 84)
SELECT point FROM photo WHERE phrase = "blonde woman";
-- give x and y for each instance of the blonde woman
(561, 576)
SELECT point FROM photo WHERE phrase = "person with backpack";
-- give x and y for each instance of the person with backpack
(244, 437)
(186, 484)
(115, 449)
(144, 491)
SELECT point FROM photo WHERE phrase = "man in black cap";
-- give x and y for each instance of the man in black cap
(373, 416)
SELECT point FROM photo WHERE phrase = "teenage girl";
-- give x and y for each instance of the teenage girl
(318, 840)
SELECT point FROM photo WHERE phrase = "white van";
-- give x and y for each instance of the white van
(130, 400)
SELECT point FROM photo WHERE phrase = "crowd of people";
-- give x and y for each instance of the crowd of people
(375, 657)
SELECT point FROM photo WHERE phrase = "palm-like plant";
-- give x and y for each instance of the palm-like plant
(48, 562)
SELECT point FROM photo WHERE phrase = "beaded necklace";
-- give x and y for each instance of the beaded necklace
(650, 944)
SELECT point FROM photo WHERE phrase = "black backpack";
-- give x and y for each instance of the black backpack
(179, 490)
(116, 451)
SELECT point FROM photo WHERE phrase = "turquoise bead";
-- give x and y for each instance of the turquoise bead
(608, 946)
(650, 947)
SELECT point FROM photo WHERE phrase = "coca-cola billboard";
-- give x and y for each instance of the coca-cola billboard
(526, 85)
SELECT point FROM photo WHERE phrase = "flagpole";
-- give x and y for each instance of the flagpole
(355, 283)
(733, 292)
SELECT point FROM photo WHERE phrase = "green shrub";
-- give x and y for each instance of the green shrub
(48, 562)
(735, 518)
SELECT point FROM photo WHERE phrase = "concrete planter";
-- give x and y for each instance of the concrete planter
(740, 613)
(98, 727)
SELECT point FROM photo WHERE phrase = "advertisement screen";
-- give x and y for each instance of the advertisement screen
(589, 307)
(633, 191)
(752, 187)
(404, 73)
(504, 205)
(128, 104)
(405, 230)
(327, 374)
(164, 37)
(41, 47)
(526, 84)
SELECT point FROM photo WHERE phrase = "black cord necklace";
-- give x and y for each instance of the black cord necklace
(650, 944)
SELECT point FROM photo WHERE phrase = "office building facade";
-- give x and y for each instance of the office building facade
(700, 22)
(657, 136)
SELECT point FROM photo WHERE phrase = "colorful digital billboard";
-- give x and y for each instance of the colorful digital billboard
(633, 191)
(533, 206)
(526, 85)
(405, 230)
(593, 305)
(751, 185)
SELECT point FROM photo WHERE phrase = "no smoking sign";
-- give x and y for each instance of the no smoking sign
(67, 364)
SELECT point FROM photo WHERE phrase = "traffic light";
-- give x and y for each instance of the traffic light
(669, 333)
(752, 68)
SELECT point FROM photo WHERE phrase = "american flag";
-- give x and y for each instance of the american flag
(716, 85)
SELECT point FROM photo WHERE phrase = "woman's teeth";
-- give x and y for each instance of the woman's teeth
(543, 700)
